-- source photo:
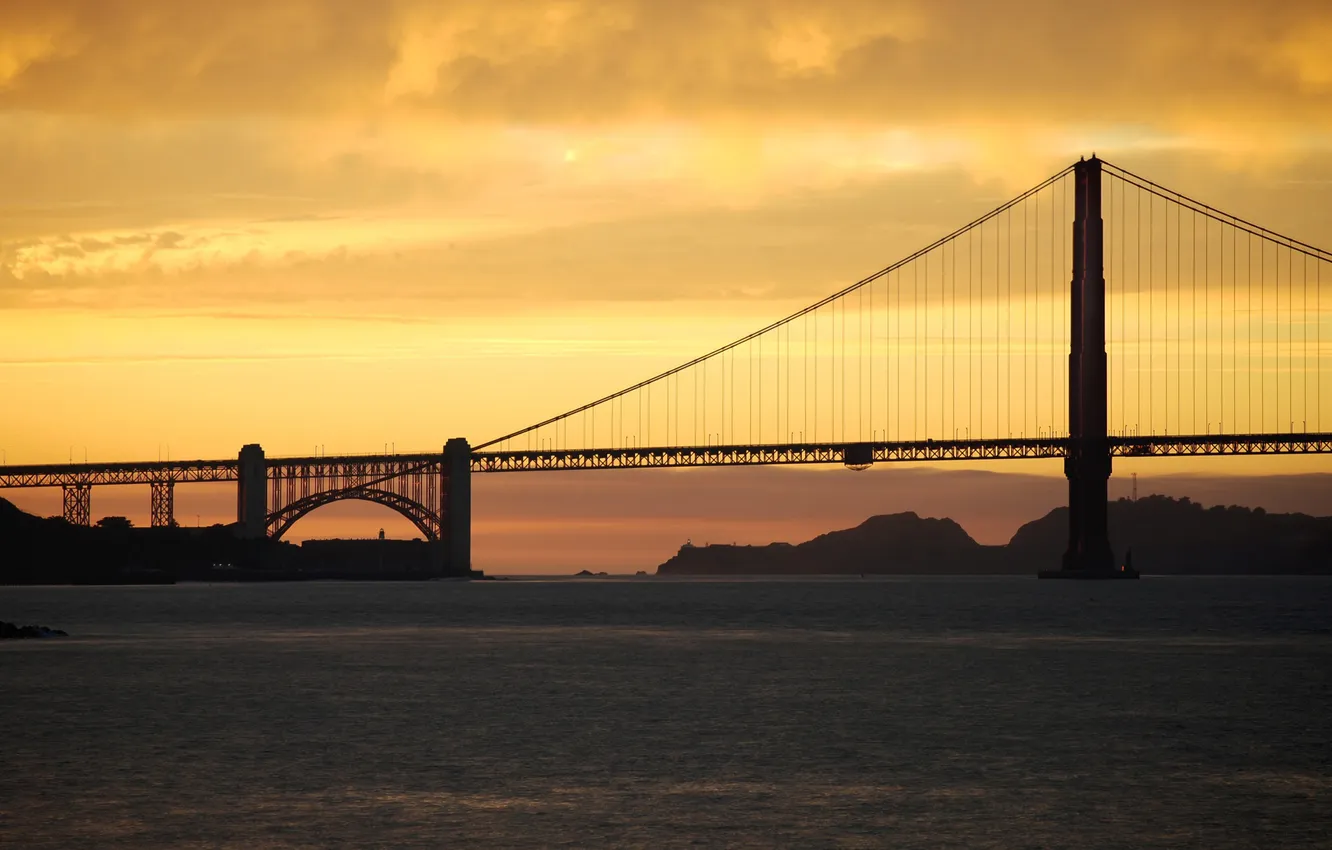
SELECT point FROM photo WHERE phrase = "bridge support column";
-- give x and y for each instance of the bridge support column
(252, 492)
(457, 507)
(162, 510)
(78, 503)
(1087, 464)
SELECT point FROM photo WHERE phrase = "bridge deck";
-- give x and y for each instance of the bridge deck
(1017, 448)
(379, 466)
(187, 471)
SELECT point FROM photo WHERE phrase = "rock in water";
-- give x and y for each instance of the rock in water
(13, 631)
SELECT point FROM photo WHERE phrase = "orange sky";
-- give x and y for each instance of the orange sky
(346, 225)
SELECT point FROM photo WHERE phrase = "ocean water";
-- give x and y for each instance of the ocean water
(979, 713)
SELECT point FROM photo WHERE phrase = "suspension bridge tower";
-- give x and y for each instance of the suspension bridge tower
(1087, 464)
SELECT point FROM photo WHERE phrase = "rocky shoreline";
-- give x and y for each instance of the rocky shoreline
(13, 631)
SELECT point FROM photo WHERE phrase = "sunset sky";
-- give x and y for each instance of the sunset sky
(348, 225)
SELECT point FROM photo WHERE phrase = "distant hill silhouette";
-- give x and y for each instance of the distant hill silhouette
(1180, 536)
(896, 543)
(1166, 536)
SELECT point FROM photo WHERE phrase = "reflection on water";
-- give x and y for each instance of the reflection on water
(880, 713)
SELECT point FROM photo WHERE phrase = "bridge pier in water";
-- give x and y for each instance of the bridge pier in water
(1087, 462)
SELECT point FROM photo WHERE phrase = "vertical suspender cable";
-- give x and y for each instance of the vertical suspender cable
(1248, 333)
(842, 364)
(1125, 289)
(1111, 228)
(1123, 303)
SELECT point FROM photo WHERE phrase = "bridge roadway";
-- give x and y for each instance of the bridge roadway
(367, 470)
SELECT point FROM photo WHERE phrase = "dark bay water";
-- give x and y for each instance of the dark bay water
(651, 713)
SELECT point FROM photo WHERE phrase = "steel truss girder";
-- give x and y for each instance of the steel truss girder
(77, 507)
(59, 475)
(792, 453)
(1217, 444)
(899, 452)
(203, 471)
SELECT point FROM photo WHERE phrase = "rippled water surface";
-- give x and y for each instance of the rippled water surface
(652, 713)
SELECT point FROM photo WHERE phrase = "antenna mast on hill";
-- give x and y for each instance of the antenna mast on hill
(1135, 486)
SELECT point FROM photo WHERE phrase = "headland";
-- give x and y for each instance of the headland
(1161, 535)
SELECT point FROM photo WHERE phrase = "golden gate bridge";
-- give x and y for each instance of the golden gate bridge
(1096, 315)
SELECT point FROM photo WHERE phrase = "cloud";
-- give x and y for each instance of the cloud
(901, 62)
(143, 57)
(796, 247)
(888, 63)
(764, 257)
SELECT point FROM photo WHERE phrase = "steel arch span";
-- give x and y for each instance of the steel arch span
(428, 521)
